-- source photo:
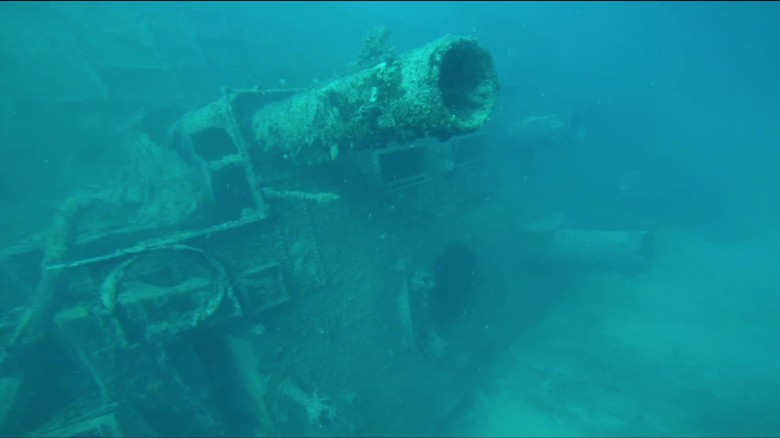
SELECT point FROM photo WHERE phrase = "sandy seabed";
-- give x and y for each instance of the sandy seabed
(691, 348)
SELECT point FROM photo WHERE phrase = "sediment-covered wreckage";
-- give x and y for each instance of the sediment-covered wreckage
(282, 266)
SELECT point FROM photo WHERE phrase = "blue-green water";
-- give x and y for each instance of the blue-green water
(681, 102)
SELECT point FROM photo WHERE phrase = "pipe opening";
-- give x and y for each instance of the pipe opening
(468, 84)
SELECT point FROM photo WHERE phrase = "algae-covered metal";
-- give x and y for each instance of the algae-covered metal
(227, 289)
(446, 88)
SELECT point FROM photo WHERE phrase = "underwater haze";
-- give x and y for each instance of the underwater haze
(675, 107)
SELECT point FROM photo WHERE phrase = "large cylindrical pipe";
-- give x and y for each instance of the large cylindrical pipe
(622, 251)
(442, 89)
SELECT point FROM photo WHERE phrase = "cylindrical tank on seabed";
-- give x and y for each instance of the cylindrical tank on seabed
(618, 250)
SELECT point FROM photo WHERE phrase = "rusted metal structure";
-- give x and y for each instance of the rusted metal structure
(276, 262)
(256, 279)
